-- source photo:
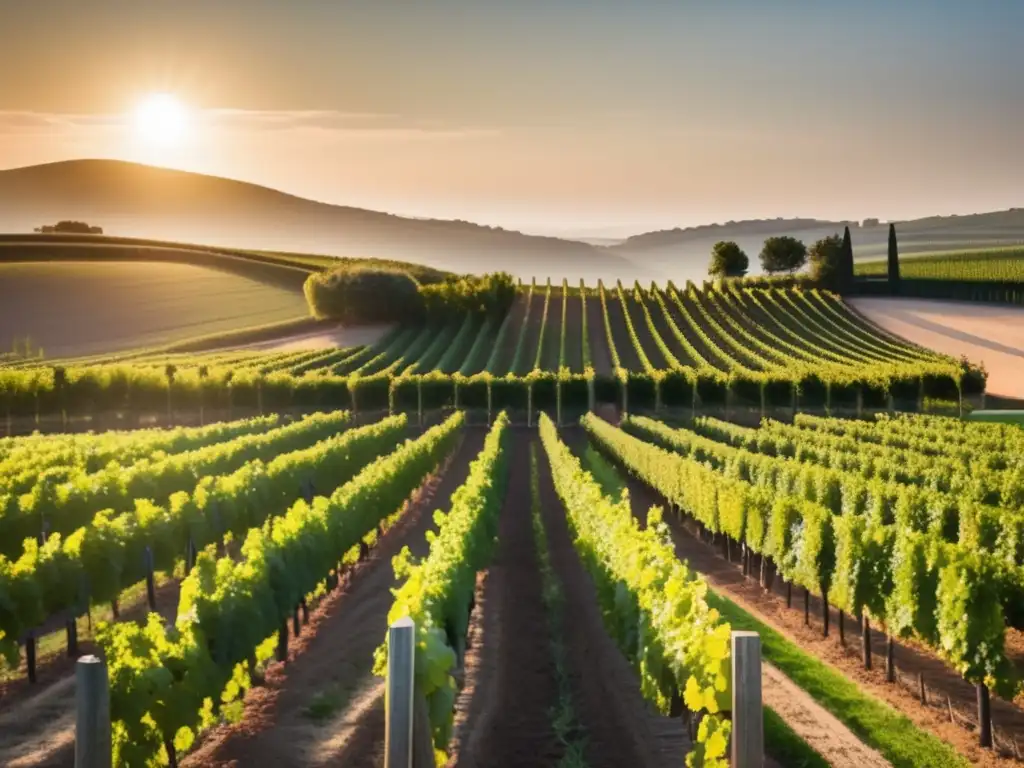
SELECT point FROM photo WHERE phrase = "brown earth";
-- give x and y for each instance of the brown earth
(511, 677)
(600, 354)
(986, 334)
(574, 340)
(517, 316)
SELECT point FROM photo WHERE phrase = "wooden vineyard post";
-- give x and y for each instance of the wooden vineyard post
(72, 630)
(825, 616)
(30, 655)
(920, 685)
(529, 404)
(558, 403)
(807, 607)
(842, 628)
(419, 402)
(590, 393)
(866, 637)
(405, 746)
(860, 401)
(747, 714)
(150, 580)
(984, 717)
(282, 641)
(92, 714)
(890, 660)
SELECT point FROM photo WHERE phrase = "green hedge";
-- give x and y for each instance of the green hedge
(126, 388)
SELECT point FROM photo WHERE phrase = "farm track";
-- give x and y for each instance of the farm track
(600, 355)
(574, 340)
(332, 660)
(505, 720)
(727, 578)
(984, 333)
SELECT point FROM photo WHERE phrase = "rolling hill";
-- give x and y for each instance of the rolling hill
(135, 200)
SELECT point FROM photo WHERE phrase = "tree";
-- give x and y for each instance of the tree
(846, 264)
(783, 254)
(728, 260)
(826, 257)
(894, 262)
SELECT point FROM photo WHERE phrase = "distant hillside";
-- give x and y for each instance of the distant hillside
(133, 200)
(728, 231)
(684, 253)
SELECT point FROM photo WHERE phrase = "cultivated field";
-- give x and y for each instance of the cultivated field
(77, 308)
(991, 335)
(995, 264)
(574, 604)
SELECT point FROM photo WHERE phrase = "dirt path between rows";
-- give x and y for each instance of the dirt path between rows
(770, 608)
(816, 725)
(600, 354)
(620, 727)
(315, 709)
(985, 333)
(504, 717)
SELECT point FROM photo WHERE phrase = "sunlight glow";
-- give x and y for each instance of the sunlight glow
(161, 118)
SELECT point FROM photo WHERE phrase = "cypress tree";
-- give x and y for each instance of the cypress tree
(894, 262)
(846, 264)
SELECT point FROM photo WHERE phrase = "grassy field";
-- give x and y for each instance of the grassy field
(81, 308)
(1004, 264)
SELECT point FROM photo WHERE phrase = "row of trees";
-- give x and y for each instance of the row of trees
(830, 259)
(69, 227)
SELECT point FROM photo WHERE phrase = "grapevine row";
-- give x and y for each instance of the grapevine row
(161, 678)
(437, 591)
(642, 584)
(50, 508)
(952, 599)
(100, 560)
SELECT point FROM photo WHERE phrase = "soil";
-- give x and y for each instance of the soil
(360, 335)
(941, 682)
(574, 340)
(517, 316)
(628, 356)
(600, 355)
(984, 333)
(330, 665)
(534, 321)
(506, 719)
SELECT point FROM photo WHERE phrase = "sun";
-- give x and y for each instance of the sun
(161, 118)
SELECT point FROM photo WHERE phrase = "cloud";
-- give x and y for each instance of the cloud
(340, 124)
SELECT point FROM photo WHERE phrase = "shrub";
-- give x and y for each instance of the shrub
(491, 295)
(364, 295)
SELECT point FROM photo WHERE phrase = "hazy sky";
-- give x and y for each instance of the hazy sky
(596, 116)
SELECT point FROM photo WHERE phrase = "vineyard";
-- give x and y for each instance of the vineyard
(641, 348)
(996, 264)
(230, 559)
(238, 530)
